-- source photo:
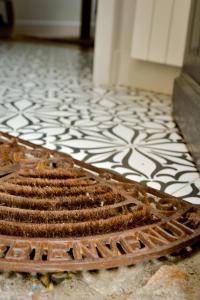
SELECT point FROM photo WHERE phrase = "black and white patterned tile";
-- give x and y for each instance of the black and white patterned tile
(46, 96)
(190, 192)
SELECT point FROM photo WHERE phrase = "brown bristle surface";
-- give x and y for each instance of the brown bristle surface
(68, 202)
(45, 182)
(62, 203)
(49, 191)
(53, 173)
(60, 216)
(120, 222)
(45, 196)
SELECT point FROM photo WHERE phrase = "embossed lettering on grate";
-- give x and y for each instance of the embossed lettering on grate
(57, 213)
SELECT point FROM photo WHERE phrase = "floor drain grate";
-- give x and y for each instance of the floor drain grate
(57, 213)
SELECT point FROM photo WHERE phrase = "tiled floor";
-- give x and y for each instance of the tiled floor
(46, 96)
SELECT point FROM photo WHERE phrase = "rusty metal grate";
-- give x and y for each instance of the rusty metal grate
(57, 213)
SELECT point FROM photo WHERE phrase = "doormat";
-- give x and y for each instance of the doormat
(61, 214)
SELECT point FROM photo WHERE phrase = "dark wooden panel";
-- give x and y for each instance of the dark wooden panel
(186, 110)
(86, 19)
(192, 55)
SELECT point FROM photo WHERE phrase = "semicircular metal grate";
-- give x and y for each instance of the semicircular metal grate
(57, 213)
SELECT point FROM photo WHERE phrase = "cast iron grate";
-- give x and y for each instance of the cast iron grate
(57, 213)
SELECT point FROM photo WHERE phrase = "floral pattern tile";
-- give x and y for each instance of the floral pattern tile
(47, 97)
(190, 192)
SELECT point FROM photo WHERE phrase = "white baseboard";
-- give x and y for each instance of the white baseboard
(48, 28)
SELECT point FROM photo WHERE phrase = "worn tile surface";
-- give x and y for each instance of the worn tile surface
(46, 96)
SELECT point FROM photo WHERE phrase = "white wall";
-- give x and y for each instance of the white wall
(48, 18)
(115, 65)
(138, 73)
(162, 37)
(106, 40)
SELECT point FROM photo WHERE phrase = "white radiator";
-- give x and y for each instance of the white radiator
(159, 31)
